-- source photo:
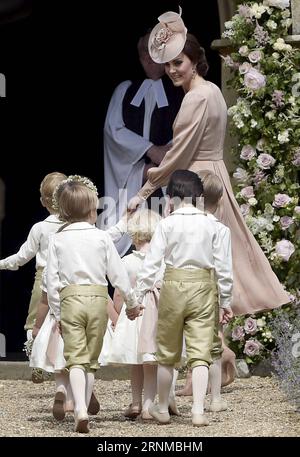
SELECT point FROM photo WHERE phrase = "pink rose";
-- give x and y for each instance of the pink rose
(284, 249)
(241, 175)
(244, 68)
(297, 209)
(247, 152)
(254, 80)
(237, 333)
(247, 192)
(254, 56)
(265, 161)
(245, 209)
(252, 348)
(296, 158)
(281, 200)
(250, 326)
(285, 222)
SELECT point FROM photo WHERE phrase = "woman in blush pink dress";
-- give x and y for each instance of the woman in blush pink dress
(198, 140)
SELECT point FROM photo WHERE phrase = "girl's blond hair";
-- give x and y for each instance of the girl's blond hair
(76, 200)
(48, 186)
(212, 188)
(142, 225)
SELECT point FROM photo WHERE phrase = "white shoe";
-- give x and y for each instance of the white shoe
(162, 418)
(217, 406)
(199, 420)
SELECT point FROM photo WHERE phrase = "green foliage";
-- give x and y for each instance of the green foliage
(266, 121)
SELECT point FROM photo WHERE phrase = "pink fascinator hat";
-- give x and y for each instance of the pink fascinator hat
(167, 38)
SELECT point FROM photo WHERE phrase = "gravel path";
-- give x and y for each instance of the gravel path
(257, 408)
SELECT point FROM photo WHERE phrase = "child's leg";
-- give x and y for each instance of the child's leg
(187, 389)
(90, 379)
(172, 402)
(78, 385)
(160, 412)
(137, 380)
(150, 386)
(164, 384)
(228, 363)
(34, 300)
(42, 311)
(70, 399)
(200, 381)
(62, 381)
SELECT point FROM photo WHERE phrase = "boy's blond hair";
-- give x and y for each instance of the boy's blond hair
(142, 225)
(48, 186)
(76, 200)
(212, 188)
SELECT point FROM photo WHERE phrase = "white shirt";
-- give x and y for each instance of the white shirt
(35, 245)
(83, 254)
(189, 239)
(116, 232)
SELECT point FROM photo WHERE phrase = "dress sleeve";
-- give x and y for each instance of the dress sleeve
(189, 128)
(147, 276)
(118, 276)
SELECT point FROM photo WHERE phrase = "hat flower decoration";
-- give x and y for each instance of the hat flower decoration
(167, 38)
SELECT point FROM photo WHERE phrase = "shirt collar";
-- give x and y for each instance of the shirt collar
(79, 226)
(158, 91)
(188, 210)
(53, 218)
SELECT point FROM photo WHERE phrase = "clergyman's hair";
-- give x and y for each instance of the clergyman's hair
(185, 184)
(48, 186)
(75, 201)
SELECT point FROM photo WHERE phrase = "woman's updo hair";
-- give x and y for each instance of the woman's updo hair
(196, 54)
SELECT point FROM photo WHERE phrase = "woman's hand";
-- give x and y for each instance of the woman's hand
(133, 204)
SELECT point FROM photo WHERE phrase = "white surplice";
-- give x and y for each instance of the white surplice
(123, 151)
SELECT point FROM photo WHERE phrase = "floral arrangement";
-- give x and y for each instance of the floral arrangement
(266, 122)
(251, 337)
(28, 347)
(286, 357)
(72, 178)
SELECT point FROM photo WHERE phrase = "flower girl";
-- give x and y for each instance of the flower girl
(133, 342)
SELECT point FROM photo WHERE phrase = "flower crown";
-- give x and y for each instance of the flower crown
(73, 178)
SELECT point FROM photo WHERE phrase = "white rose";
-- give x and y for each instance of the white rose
(281, 4)
(271, 114)
(271, 25)
(261, 323)
(243, 51)
(283, 137)
(252, 201)
(244, 68)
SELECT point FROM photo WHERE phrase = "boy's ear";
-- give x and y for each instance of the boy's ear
(42, 202)
(169, 207)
